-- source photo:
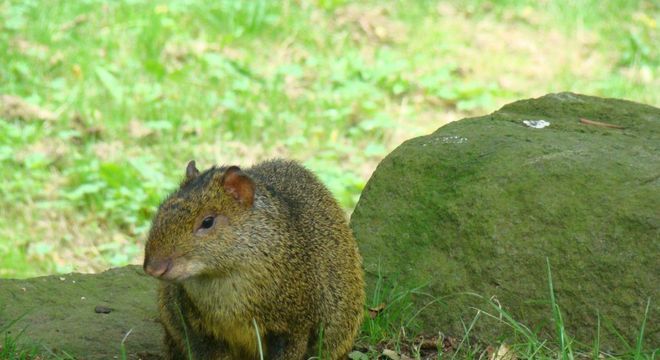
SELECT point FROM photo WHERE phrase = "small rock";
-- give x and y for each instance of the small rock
(100, 309)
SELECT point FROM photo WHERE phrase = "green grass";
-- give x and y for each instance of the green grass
(394, 328)
(9, 349)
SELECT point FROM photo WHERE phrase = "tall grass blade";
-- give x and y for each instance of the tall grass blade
(185, 332)
(467, 333)
(596, 352)
(110, 83)
(256, 330)
(640, 337)
(122, 346)
(564, 343)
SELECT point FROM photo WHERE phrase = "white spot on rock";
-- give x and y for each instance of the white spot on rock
(536, 124)
(450, 139)
(454, 139)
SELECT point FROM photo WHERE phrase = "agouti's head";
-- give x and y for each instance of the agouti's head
(196, 231)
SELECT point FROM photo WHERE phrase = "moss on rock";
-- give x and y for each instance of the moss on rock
(85, 316)
(478, 206)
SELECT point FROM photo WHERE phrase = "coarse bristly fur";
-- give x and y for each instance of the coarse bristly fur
(278, 253)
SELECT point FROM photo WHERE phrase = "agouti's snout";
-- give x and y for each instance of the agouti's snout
(157, 267)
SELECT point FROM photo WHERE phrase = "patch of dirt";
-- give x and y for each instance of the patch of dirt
(372, 23)
(525, 56)
(176, 53)
(25, 47)
(77, 21)
(87, 130)
(110, 151)
(53, 149)
(137, 130)
(290, 53)
(14, 107)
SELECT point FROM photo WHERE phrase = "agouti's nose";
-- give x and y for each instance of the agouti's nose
(157, 268)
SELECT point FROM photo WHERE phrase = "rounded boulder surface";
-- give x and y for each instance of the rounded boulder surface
(476, 211)
(84, 316)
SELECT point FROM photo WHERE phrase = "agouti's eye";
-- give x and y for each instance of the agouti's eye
(207, 222)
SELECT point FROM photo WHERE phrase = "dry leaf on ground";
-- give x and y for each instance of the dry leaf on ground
(374, 311)
(393, 355)
(601, 124)
(427, 343)
(503, 352)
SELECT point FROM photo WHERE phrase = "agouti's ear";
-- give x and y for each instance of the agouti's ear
(238, 185)
(191, 171)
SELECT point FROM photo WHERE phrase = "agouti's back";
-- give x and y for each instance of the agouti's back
(310, 204)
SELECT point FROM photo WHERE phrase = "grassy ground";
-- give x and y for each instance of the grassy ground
(132, 90)
(129, 91)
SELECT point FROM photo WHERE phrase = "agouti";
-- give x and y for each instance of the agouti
(265, 248)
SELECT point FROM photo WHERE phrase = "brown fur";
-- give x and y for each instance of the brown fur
(280, 254)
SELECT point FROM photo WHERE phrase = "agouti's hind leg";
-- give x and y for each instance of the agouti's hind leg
(282, 347)
(336, 343)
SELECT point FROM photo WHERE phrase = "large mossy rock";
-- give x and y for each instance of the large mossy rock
(479, 205)
(59, 315)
